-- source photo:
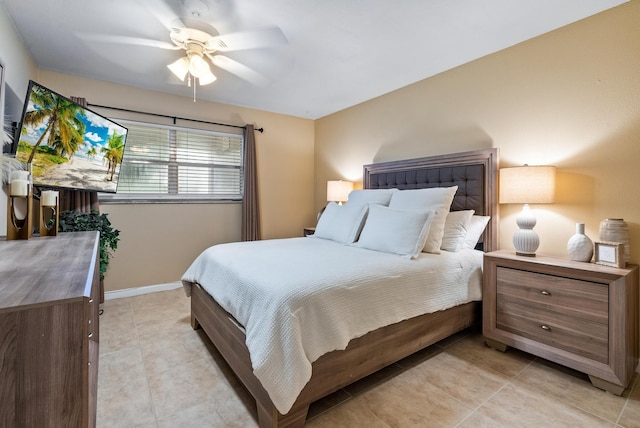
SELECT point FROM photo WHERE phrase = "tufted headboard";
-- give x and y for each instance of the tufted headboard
(475, 174)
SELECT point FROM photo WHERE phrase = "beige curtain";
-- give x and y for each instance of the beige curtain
(250, 208)
(79, 200)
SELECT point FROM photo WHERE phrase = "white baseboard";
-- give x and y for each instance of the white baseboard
(138, 291)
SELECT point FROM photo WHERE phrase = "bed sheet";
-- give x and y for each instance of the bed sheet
(300, 298)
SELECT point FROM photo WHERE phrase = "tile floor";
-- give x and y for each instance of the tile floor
(155, 371)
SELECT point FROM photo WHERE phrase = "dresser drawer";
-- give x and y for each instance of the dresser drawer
(565, 313)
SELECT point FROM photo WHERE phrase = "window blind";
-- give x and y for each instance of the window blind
(174, 162)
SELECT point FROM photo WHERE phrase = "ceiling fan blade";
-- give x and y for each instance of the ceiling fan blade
(126, 40)
(166, 13)
(256, 39)
(239, 69)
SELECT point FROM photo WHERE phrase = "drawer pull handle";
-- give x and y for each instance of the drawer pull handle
(90, 300)
(90, 335)
(545, 293)
(545, 327)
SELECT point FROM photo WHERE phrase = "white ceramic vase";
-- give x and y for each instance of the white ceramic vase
(580, 247)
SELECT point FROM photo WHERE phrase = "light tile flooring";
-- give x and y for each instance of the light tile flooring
(155, 371)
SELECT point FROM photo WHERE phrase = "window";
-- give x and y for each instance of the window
(174, 163)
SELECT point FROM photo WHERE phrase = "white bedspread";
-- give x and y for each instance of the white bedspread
(300, 298)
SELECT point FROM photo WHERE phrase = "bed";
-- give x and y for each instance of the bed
(472, 173)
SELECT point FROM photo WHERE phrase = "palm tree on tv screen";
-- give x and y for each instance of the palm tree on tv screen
(66, 146)
(63, 119)
(113, 152)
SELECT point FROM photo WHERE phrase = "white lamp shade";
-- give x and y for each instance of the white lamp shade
(338, 191)
(207, 78)
(180, 67)
(528, 185)
(198, 66)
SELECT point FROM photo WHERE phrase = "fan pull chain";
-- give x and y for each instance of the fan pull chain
(194, 89)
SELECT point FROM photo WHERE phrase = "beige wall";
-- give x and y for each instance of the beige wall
(159, 241)
(18, 69)
(19, 66)
(570, 98)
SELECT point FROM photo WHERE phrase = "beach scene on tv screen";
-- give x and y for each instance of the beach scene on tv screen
(69, 146)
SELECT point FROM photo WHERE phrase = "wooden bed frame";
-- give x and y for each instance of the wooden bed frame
(386, 345)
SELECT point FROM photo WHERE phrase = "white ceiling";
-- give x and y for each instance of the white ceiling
(339, 52)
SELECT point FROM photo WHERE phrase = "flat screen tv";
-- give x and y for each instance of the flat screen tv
(68, 146)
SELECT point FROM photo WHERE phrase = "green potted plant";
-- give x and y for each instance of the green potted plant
(73, 221)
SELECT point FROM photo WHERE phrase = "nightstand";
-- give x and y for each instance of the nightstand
(580, 315)
(308, 231)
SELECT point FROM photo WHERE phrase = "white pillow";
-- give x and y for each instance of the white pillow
(437, 199)
(393, 231)
(371, 196)
(455, 230)
(475, 229)
(341, 223)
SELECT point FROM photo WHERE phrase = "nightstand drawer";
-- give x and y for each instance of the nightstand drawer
(581, 299)
(554, 328)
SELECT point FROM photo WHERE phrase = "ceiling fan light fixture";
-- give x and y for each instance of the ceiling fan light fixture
(198, 67)
(180, 67)
(206, 79)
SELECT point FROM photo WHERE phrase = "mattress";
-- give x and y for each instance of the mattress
(300, 298)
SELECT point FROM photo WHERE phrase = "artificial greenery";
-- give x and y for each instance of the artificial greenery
(74, 221)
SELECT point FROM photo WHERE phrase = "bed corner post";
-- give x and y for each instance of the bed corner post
(269, 417)
(194, 322)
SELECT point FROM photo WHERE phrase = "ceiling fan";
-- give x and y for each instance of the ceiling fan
(200, 45)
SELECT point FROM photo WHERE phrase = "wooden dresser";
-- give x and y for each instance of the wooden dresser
(581, 315)
(49, 294)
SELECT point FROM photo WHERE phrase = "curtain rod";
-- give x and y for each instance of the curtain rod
(261, 130)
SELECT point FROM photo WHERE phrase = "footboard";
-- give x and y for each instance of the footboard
(334, 370)
(229, 339)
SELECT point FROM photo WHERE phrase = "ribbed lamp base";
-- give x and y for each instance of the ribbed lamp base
(525, 240)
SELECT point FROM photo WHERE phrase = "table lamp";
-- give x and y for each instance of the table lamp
(338, 191)
(527, 185)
